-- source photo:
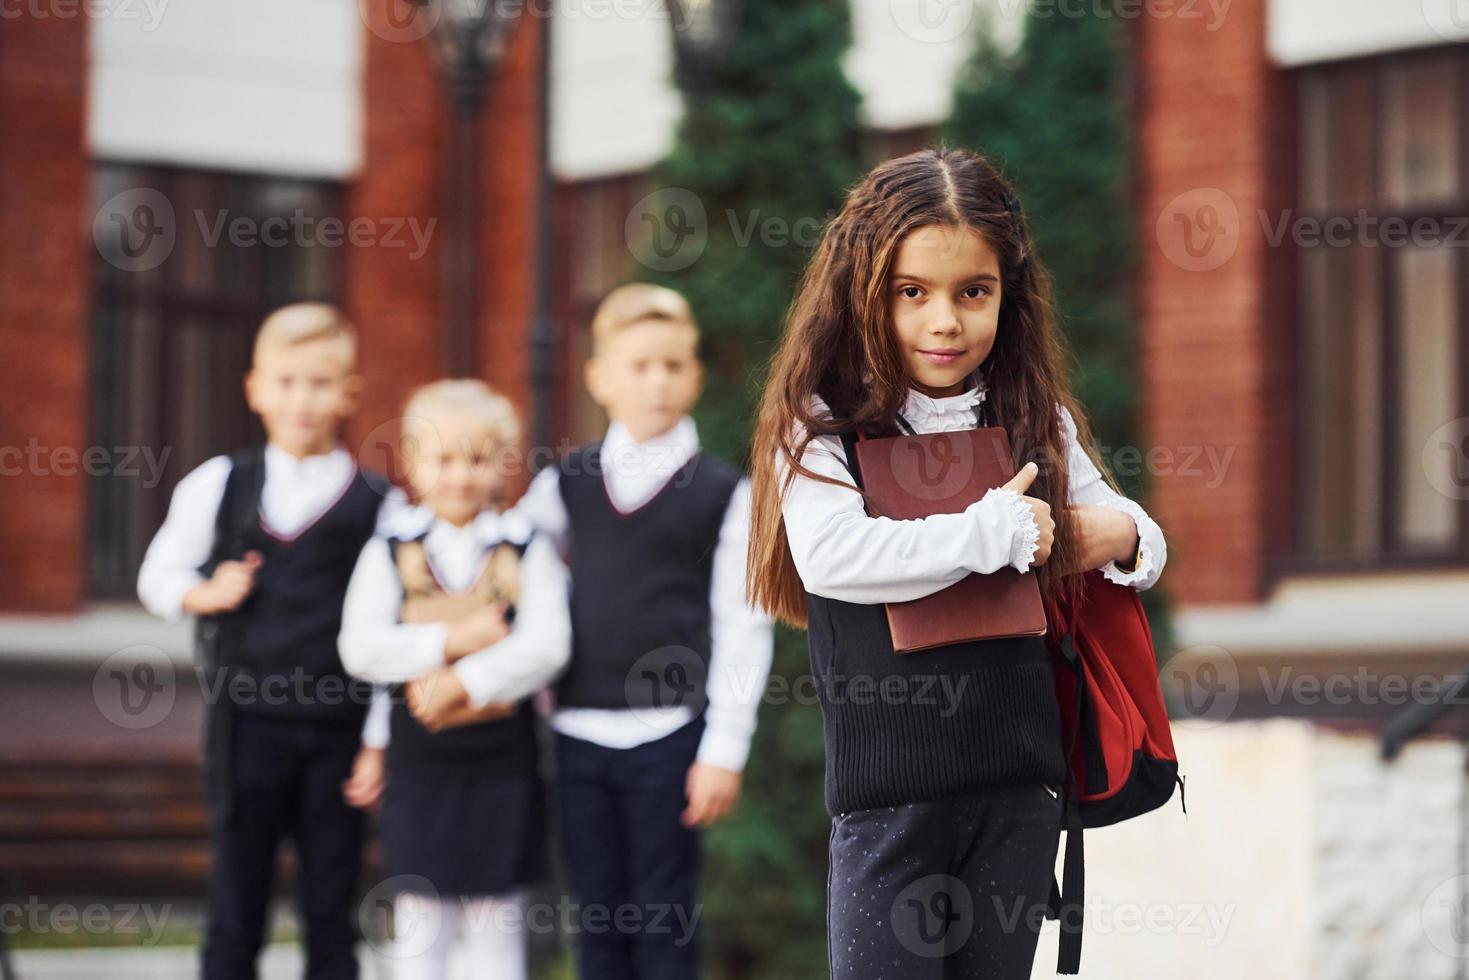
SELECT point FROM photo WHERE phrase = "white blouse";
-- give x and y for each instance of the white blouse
(296, 494)
(842, 553)
(742, 638)
(375, 646)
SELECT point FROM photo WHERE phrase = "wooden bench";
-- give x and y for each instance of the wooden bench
(104, 826)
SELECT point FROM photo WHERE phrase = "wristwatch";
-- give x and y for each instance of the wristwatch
(1137, 556)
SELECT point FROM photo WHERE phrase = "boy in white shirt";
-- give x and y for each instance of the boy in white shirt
(260, 545)
(655, 714)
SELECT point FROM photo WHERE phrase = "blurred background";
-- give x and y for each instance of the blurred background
(1256, 212)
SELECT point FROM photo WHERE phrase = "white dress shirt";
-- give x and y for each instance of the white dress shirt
(842, 553)
(742, 639)
(296, 494)
(376, 646)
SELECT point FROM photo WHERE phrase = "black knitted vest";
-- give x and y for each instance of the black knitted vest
(279, 649)
(505, 746)
(929, 725)
(640, 585)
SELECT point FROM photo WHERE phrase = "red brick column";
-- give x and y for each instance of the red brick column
(393, 296)
(1210, 111)
(45, 255)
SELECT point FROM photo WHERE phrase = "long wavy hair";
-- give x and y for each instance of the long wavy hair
(839, 342)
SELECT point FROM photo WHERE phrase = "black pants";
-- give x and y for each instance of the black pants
(287, 783)
(942, 890)
(632, 865)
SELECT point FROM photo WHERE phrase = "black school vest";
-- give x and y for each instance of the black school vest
(640, 585)
(278, 651)
(930, 725)
(506, 746)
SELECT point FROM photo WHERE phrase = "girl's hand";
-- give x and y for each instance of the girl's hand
(494, 711)
(1041, 510)
(365, 787)
(712, 793)
(436, 698)
(1105, 535)
(226, 589)
(475, 632)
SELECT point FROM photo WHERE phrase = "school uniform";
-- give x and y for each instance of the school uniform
(668, 666)
(463, 810)
(283, 719)
(941, 766)
(463, 814)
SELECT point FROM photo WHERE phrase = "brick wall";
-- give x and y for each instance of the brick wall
(393, 296)
(1209, 162)
(44, 252)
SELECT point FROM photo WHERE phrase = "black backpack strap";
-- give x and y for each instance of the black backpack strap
(1067, 900)
(395, 542)
(849, 446)
(238, 515)
(234, 525)
(395, 545)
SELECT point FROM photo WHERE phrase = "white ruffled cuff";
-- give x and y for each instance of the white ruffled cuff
(1147, 557)
(1027, 535)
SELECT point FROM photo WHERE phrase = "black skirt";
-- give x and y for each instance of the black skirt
(468, 835)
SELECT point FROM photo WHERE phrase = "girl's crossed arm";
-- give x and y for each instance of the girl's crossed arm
(1089, 488)
(843, 553)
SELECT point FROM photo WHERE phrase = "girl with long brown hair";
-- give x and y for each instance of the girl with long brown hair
(926, 309)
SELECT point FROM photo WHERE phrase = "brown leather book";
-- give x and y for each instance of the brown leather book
(914, 476)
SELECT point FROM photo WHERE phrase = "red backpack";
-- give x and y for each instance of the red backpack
(1115, 728)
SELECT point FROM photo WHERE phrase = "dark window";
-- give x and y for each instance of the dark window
(1385, 387)
(172, 329)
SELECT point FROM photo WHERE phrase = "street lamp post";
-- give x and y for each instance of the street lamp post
(703, 30)
(468, 40)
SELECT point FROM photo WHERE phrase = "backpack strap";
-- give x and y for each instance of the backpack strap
(234, 526)
(498, 578)
(234, 523)
(410, 560)
(849, 446)
(1066, 903)
(239, 507)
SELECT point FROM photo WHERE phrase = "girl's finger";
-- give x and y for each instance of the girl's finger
(1022, 480)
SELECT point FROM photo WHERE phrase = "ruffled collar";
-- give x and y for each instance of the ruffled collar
(950, 413)
(490, 527)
